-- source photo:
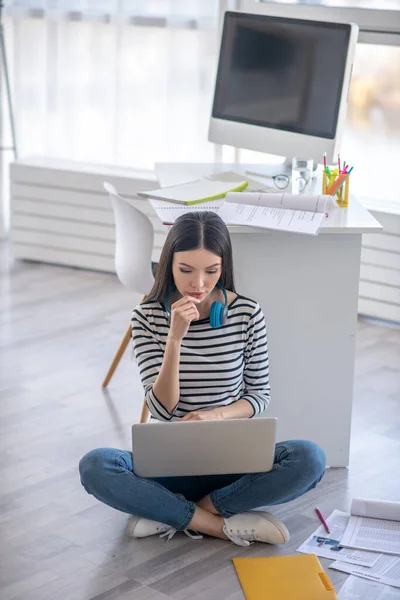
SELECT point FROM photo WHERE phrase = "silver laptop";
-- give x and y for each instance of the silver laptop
(203, 447)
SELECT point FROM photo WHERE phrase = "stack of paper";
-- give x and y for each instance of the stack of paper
(366, 543)
(329, 545)
(374, 525)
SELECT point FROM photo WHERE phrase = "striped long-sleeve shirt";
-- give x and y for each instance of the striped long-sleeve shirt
(217, 366)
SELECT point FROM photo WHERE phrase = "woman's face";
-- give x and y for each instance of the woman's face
(196, 272)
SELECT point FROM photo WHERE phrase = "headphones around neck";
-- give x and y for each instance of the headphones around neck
(218, 311)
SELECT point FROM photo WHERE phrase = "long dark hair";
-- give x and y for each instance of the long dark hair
(197, 229)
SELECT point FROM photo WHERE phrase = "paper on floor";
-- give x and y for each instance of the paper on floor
(374, 525)
(328, 545)
(386, 570)
(355, 588)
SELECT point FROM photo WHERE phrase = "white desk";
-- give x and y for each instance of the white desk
(308, 289)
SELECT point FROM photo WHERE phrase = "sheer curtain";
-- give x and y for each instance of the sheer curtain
(122, 82)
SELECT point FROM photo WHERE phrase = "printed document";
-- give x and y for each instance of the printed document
(328, 545)
(373, 525)
(283, 212)
(355, 588)
(386, 570)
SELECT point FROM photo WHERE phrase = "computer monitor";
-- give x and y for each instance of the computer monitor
(282, 85)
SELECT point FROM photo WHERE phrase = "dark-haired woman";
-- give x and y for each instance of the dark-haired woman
(199, 363)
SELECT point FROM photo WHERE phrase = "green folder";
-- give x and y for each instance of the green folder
(194, 192)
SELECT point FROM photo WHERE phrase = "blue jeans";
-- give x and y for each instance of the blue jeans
(109, 475)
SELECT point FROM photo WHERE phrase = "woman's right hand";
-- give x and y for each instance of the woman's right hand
(183, 312)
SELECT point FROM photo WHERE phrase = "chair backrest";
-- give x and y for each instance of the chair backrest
(134, 236)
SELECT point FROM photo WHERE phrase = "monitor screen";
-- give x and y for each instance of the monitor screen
(281, 73)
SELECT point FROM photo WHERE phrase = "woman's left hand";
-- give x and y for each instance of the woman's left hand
(203, 415)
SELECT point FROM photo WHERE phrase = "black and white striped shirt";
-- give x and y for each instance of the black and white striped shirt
(217, 366)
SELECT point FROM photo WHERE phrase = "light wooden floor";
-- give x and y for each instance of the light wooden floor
(58, 331)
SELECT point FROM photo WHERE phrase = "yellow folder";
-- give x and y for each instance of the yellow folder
(299, 577)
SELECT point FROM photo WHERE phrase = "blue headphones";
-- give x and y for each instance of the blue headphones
(218, 311)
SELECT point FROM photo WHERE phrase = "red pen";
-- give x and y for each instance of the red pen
(321, 518)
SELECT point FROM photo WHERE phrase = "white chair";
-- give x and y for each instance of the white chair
(134, 237)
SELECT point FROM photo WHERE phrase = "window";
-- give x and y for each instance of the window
(122, 82)
(372, 135)
(371, 139)
(372, 4)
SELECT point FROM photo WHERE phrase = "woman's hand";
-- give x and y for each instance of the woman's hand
(183, 312)
(203, 415)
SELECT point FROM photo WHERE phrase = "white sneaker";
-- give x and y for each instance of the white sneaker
(248, 527)
(139, 527)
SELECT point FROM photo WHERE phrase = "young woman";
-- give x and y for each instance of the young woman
(199, 360)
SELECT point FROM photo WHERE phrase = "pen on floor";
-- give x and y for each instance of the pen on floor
(321, 518)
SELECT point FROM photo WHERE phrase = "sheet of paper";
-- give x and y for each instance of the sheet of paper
(386, 570)
(294, 221)
(168, 212)
(355, 588)
(328, 545)
(314, 203)
(380, 535)
(376, 509)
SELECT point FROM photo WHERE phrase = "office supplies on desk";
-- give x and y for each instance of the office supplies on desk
(336, 182)
(282, 212)
(194, 192)
(284, 578)
(373, 525)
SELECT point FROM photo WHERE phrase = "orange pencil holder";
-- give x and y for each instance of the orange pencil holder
(342, 195)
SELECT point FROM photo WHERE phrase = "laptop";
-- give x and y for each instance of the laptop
(186, 448)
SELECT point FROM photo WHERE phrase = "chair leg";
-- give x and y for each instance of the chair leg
(117, 357)
(145, 413)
